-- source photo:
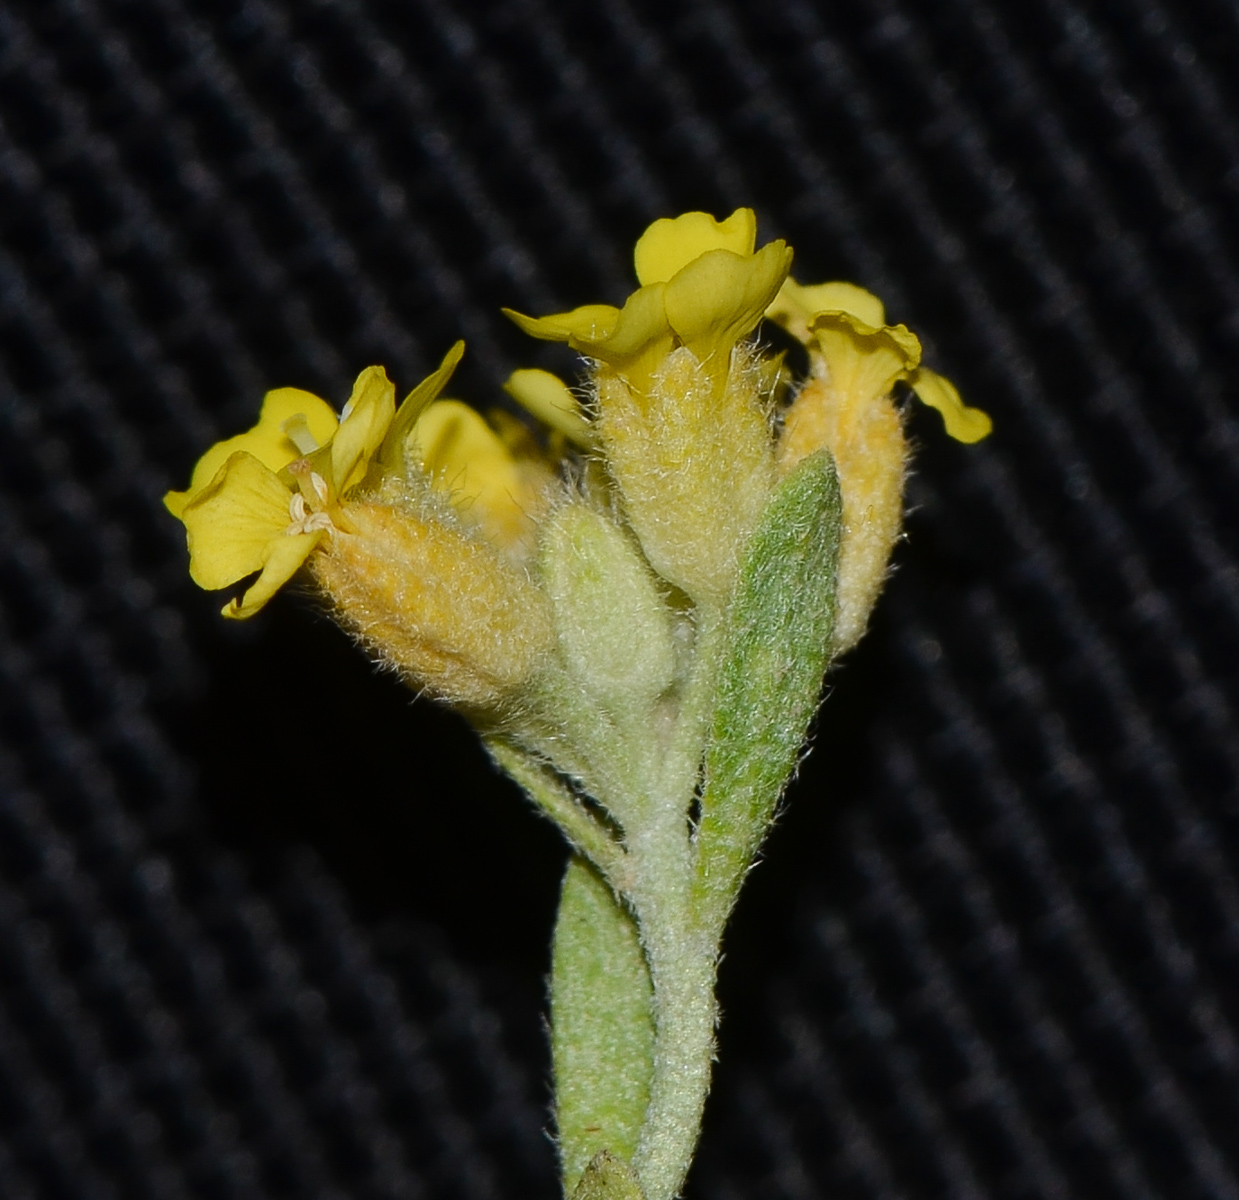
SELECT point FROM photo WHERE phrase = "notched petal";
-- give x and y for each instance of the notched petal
(229, 524)
(670, 244)
(864, 362)
(797, 304)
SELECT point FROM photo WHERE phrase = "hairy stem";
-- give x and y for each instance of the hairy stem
(681, 958)
(683, 972)
(682, 965)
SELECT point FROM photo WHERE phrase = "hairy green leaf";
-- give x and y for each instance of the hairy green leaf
(777, 650)
(602, 1028)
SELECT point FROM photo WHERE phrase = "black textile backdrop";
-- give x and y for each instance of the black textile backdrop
(269, 929)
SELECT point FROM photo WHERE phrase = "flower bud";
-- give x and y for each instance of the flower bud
(613, 627)
(845, 406)
(440, 606)
(871, 455)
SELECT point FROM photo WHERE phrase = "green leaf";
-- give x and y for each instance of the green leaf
(608, 1178)
(776, 651)
(602, 1028)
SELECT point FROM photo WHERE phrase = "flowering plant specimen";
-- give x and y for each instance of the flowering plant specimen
(639, 633)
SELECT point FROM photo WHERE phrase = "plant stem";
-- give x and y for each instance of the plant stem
(682, 966)
(682, 958)
(684, 1018)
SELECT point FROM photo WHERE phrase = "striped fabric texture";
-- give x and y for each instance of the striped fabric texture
(271, 928)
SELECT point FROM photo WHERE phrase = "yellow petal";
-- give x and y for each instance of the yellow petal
(964, 424)
(517, 438)
(797, 304)
(550, 400)
(458, 449)
(591, 322)
(278, 407)
(642, 320)
(465, 458)
(284, 557)
(229, 523)
(367, 418)
(720, 297)
(414, 404)
(268, 441)
(669, 245)
(640, 340)
(175, 502)
(864, 362)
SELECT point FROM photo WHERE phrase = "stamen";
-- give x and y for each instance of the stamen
(303, 520)
(319, 484)
(297, 431)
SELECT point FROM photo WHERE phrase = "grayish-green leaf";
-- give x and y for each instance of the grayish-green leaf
(777, 651)
(602, 1030)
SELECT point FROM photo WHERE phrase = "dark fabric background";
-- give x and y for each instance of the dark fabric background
(268, 928)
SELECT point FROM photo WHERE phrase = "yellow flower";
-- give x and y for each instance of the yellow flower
(855, 360)
(865, 357)
(260, 503)
(681, 411)
(248, 518)
(703, 286)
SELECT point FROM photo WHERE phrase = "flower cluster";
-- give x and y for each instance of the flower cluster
(680, 409)
(413, 521)
(640, 637)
